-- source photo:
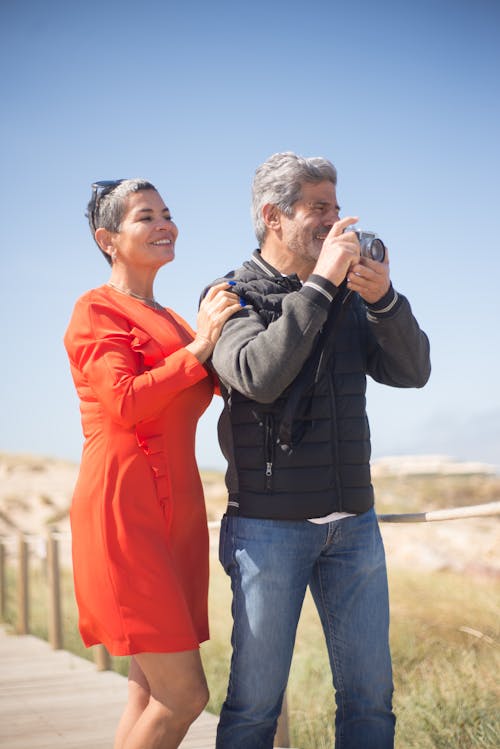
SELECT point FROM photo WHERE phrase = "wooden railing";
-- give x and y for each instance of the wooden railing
(22, 543)
(454, 513)
(20, 548)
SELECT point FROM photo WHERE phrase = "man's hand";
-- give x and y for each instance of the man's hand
(339, 253)
(369, 278)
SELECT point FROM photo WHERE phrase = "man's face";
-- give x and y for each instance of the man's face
(314, 215)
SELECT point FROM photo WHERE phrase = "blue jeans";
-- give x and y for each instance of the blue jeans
(271, 563)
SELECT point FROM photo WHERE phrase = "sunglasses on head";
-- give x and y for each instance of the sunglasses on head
(99, 189)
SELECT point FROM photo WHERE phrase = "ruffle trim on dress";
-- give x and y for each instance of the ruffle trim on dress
(152, 447)
(142, 343)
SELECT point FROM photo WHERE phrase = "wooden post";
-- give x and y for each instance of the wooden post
(55, 615)
(22, 587)
(3, 582)
(282, 737)
(101, 658)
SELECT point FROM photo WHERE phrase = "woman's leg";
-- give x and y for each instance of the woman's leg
(177, 695)
(138, 700)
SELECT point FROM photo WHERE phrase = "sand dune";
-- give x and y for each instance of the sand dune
(35, 494)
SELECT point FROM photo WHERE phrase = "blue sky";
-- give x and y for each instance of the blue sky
(402, 97)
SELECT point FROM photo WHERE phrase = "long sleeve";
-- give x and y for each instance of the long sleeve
(261, 361)
(128, 372)
(401, 356)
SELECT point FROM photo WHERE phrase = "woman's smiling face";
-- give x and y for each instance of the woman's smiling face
(147, 232)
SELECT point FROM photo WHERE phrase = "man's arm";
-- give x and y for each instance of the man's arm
(401, 357)
(401, 354)
(261, 361)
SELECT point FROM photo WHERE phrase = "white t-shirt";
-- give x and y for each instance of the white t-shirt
(331, 517)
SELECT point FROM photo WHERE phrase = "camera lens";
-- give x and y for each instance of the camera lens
(377, 250)
(371, 246)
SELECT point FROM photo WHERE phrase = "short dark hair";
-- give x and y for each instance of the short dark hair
(107, 206)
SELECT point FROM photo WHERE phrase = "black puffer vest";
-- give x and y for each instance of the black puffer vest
(307, 454)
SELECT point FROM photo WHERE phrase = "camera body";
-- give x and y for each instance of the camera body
(371, 246)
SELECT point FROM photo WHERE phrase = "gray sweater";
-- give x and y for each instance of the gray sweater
(293, 366)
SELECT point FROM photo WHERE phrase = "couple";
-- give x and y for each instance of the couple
(288, 339)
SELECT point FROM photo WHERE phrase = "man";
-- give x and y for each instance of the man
(318, 317)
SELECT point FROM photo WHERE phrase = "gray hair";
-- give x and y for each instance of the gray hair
(106, 207)
(279, 181)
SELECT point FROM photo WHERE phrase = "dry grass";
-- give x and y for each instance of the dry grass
(420, 493)
(446, 678)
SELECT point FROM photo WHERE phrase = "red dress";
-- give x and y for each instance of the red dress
(138, 519)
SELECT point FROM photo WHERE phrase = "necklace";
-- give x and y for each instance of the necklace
(149, 300)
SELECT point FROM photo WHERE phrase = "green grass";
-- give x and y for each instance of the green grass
(447, 684)
(447, 688)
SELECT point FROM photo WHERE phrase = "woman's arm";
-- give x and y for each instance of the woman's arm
(103, 348)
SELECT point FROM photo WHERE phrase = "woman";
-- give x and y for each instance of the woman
(140, 539)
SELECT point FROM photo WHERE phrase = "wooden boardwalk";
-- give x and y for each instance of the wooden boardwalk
(52, 699)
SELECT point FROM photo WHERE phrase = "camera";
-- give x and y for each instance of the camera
(371, 245)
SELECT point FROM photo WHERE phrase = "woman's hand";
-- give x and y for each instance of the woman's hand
(217, 306)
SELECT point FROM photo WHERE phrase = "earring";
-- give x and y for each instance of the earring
(113, 256)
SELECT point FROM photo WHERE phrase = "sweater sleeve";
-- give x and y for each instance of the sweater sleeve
(259, 361)
(110, 357)
(401, 355)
